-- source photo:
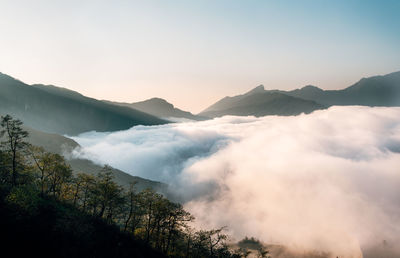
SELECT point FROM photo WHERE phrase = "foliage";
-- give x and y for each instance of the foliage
(14, 143)
(83, 215)
(250, 243)
(24, 198)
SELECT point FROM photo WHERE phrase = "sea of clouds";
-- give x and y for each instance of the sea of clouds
(327, 181)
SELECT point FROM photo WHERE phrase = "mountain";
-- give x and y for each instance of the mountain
(161, 108)
(62, 145)
(373, 91)
(259, 102)
(58, 110)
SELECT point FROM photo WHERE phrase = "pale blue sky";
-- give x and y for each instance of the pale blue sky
(194, 52)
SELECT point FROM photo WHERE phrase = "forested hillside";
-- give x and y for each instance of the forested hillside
(61, 145)
(47, 211)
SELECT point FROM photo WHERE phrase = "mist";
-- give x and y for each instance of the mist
(328, 181)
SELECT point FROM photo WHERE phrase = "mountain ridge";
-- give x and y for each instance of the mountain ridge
(58, 110)
(262, 104)
(161, 108)
(381, 90)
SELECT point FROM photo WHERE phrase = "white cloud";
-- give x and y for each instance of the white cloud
(328, 181)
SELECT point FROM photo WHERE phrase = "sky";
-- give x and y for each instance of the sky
(192, 53)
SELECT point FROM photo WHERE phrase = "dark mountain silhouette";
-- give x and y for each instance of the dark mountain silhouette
(259, 102)
(372, 91)
(160, 108)
(58, 110)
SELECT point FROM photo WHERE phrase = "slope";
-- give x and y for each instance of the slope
(57, 110)
(259, 102)
(373, 91)
(62, 145)
(161, 108)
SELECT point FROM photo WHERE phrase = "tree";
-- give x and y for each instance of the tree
(54, 174)
(84, 190)
(59, 176)
(14, 142)
(134, 211)
(149, 201)
(207, 243)
(107, 195)
(263, 253)
(4, 170)
(176, 223)
(242, 252)
(147, 215)
(41, 158)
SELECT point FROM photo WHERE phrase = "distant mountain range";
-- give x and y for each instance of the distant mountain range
(160, 108)
(259, 102)
(58, 110)
(372, 91)
(48, 112)
(52, 111)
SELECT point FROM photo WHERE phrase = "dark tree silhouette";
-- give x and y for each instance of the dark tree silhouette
(14, 142)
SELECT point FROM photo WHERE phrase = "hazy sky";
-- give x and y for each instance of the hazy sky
(194, 52)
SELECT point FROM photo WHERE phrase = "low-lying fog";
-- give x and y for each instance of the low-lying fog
(327, 181)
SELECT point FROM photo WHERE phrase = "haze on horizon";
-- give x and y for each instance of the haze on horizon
(192, 53)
